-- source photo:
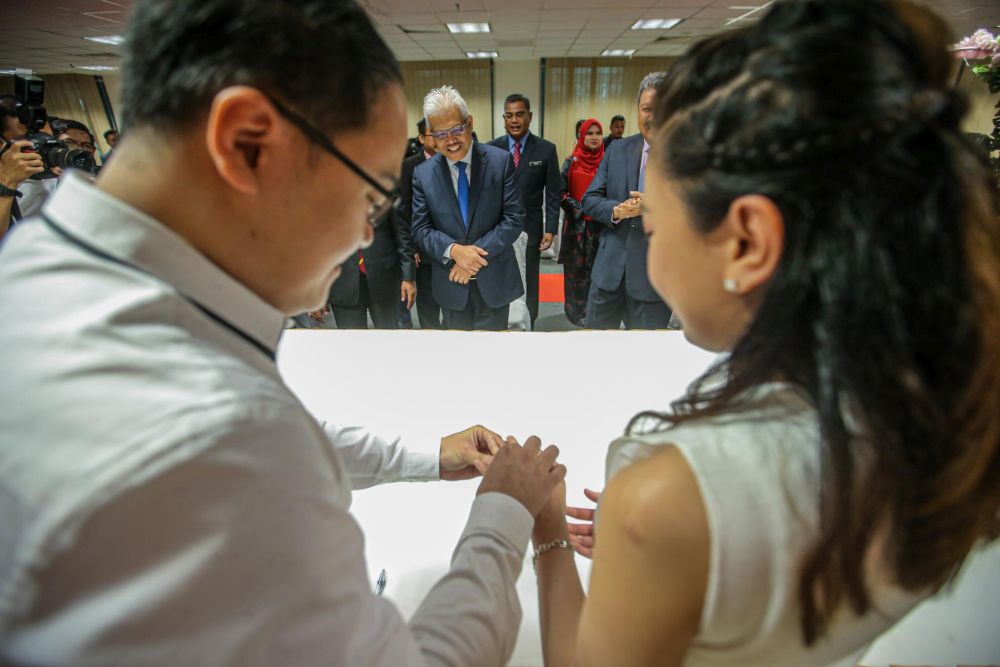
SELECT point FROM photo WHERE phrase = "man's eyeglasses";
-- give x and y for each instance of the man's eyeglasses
(390, 198)
(520, 115)
(452, 132)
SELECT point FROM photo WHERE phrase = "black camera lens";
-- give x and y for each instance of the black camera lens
(65, 157)
(56, 153)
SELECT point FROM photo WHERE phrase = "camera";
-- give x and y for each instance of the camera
(29, 91)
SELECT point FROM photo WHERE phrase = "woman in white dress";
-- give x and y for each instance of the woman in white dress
(815, 212)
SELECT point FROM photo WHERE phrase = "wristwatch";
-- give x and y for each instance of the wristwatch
(8, 192)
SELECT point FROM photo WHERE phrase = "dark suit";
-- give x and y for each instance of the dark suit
(538, 170)
(428, 310)
(620, 290)
(388, 261)
(496, 218)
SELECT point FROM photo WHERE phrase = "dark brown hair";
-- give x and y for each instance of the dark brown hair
(885, 307)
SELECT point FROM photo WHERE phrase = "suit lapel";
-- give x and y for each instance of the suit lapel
(634, 158)
(444, 180)
(478, 166)
(526, 155)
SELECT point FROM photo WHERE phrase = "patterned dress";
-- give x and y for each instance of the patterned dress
(577, 251)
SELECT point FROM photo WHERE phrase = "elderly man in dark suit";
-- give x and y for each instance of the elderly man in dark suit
(428, 310)
(619, 288)
(536, 170)
(467, 213)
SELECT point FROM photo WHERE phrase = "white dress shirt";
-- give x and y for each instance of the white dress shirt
(166, 500)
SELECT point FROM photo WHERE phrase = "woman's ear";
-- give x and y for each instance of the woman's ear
(756, 230)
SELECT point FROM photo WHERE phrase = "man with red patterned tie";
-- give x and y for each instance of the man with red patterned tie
(536, 170)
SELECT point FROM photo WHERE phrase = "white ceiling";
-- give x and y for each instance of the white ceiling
(47, 35)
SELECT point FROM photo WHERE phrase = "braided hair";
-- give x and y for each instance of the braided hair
(885, 306)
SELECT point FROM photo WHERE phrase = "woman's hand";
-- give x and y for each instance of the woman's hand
(581, 535)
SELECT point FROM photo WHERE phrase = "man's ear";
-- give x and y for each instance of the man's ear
(756, 230)
(469, 123)
(240, 134)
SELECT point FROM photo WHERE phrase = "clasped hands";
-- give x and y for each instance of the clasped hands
(468, 261)
(528, 473)
(630, 208)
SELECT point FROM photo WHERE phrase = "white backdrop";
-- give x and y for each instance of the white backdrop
(574, 389)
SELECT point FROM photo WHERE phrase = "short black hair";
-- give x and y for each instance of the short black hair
(422, 126)
(518, 97)
(578, 124)
(618, 117)
(70, 124)
(323, 58)
(108, 133)
(56, 124)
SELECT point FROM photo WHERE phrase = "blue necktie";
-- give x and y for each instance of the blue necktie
(463, 193)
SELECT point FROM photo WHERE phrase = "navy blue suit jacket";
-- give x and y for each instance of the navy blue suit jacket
(622, 246)
(496, 219)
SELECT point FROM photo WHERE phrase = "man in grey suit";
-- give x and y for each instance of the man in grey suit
(536, 170)
(619, 289)
(467, 213)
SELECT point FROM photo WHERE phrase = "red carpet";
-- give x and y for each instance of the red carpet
(550, 288)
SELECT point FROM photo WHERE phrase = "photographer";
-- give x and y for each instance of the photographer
(15, 168)
(75, 134)
(22, 116)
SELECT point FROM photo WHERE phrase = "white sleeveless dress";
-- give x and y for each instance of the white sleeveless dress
(759, 478)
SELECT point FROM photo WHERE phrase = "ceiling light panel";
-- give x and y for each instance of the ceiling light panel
(107, 39)
(468, 27)
(655, 24)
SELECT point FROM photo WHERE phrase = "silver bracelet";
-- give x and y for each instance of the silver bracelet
(548, 546)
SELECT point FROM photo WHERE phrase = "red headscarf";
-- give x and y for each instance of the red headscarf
(585, 162)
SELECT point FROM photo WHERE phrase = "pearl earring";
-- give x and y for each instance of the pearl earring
(730, 285)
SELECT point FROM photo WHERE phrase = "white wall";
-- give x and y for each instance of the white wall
(516, 76)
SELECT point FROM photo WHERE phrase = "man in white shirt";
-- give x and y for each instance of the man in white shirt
(166, 500)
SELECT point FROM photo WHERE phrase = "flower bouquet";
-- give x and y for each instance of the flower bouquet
(982, 48)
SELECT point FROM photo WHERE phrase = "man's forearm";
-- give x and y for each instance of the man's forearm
(370, 460)
(472, 614)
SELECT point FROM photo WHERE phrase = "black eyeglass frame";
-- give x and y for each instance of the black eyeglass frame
(391, 196)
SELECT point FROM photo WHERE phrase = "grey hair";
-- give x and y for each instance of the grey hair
(440, 100)
(651, 80)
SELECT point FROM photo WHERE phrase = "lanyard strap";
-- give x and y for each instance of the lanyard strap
(97, 252)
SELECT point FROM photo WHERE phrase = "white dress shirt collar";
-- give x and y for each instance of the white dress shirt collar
(115, 228)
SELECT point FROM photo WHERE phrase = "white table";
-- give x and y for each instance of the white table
(575, 389)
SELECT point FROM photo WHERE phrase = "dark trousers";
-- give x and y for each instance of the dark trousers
(608, 309)
(385, 314)
(532, 257)
(476, 316)
(428, 310)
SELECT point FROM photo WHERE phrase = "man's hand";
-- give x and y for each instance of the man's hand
(459, 275)
(416, 259)
(408, 292)
(469, 257)
(546, 241)
(16, 167)
(527, 474)
(630, 208)
(319, 315)
(581, 535)
(460, 452)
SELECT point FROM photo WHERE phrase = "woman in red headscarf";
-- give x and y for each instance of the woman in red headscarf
(580, 234)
